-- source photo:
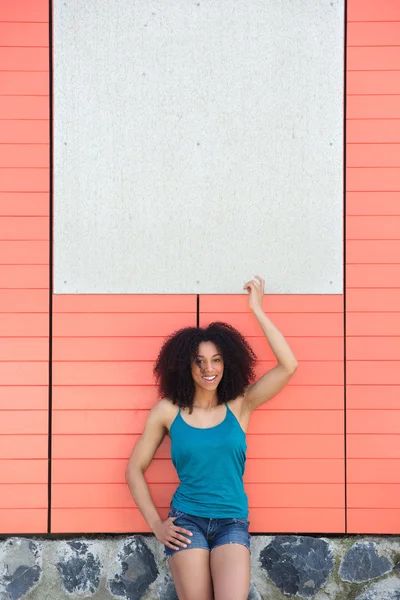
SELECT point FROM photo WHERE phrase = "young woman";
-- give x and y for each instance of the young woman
(204, 379)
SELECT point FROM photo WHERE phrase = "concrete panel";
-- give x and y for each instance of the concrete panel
(198, 143)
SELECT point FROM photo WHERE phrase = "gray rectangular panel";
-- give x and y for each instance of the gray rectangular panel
(196, 144)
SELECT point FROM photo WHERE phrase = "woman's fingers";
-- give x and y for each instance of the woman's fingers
(175, 534)
(261, 281)
(184, 531)
(171, 546)
(258, 282)
(250, 284)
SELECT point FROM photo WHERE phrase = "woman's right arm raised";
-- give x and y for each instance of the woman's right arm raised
(141, 457)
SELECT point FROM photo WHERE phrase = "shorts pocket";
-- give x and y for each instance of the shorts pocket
(243, 521)
(174, 512)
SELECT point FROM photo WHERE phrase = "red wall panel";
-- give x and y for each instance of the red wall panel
(104, 348)
(373, 267)
(24, 267)
(295, 468)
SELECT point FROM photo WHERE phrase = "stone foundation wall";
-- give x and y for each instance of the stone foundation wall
(131, 568)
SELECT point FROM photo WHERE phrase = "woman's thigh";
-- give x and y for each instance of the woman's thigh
(191, 574)
(230, 571)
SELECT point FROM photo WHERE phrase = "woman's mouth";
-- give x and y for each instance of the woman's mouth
(209, 378)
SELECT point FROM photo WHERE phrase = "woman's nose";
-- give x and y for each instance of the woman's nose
(207, 367)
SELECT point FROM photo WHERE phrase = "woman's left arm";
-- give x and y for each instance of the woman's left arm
(276, 378)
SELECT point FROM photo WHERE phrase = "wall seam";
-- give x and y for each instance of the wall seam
(51, 282)
(344, 270)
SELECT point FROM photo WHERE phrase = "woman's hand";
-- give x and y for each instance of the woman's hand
(167, 533)
(256, 293)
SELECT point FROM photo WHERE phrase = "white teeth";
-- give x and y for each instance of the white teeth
(210, 378)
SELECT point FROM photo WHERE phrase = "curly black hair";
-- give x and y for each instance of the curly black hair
(173, 365)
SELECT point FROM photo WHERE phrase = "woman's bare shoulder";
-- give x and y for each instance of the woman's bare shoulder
(164, 411)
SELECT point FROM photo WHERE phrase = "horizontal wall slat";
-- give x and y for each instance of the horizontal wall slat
(24, 155)
(24, 107)
(288, 495)
(373, 34)
(307, 520)
(373, 179)
(367, 396)
(16, 521)
(373, 421)
(22, 301)
(14, 349)
(119, 324)
(382, 131)
(373, 155)
(13, 472)
(124, 303)
(23, 496)
(24, 253)
(278, 446)
(14, 204)
(306, 324)
(372, 203)
(25, 59)
(23, 421)
(24, 228)
(25, 11)
(23, 373)
(368, 82)
(24, 276)
(373, 251)
(373, 58)
(373, 446)
(99, 397)
(373, 471)
(373, 348)
(24, 132)
(385, 10)
(373, 107)
(141, 373)
(147, 348)
(23, 397)
(373, 227)
(373, 300)
(370, 495)
(268, 422)
(26, 446)
(273, 303)
(307, 422)
(377, 521)
(307, 470)
(24, 83)
(24, 180)
(370, 276)
(24, 34)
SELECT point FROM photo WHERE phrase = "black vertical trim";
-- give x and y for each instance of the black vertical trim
(344, 266)
(50, 402)
(198, 311)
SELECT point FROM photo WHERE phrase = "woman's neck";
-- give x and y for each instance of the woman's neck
(205, 400)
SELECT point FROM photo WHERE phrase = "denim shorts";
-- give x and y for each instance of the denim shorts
(210, 533)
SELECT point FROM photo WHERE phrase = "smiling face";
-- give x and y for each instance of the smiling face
(208, 367)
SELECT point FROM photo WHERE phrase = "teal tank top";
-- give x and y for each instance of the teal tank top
(210, 465)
